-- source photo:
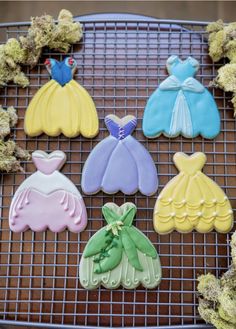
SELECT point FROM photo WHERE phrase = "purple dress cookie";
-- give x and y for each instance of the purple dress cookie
(120, 162)
(47, 199)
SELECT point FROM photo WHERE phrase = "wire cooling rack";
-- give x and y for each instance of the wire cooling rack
(121, 61)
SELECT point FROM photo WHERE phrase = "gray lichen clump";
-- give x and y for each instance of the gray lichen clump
(26, 50)
(222, 44)
(217, 301)
(10, 153)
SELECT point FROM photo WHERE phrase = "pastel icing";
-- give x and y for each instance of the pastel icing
(181, 105)
(191, 200)
(119, 254)
(47, 199)
(119, 162)
(61, 105)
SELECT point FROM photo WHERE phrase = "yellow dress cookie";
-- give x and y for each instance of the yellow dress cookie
(191, 200)
(61, 105)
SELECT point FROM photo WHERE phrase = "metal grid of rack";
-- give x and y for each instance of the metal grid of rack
(121, 61)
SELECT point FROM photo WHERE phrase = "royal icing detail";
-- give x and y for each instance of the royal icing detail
(47, 199)
(191, 200)
(119, 254)
(181, 105)
(61, 105)
(119, 162)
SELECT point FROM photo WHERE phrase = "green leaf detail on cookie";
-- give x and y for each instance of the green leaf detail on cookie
(115, 227)
(141, 242)
(110, 258)
(97, 242)
(109, 215)
(130, 250)
(128, 217)
(109, 243)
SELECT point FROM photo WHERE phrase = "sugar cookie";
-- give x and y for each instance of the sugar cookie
(119, 162)
(181, 104)
(119, 254)
(47, 199)
(191, 200)
(61, 105)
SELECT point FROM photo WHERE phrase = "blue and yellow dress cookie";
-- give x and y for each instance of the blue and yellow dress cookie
(61, 105)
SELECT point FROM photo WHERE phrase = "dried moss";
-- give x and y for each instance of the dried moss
(8, 119)
(226, 78)
(209, 286)
(222, 44)
(10, 152)
(66, 33)
(43, 32)
(14, 51)
(217, 301)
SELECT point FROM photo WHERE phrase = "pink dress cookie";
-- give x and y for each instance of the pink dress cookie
(47, 199)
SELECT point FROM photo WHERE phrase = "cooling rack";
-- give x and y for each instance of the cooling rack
(121, 61)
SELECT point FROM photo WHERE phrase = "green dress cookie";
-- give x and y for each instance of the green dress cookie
(119, 254)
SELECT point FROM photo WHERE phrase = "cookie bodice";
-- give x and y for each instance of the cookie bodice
(189, 164)
(62, 72)
(48, 163)
(120, 128)
(182, 69)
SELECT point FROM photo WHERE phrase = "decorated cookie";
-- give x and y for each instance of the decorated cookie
(61, 105)
(119, 254)
(191, 200)
(181, 105)
(119, 162)
(47, 199)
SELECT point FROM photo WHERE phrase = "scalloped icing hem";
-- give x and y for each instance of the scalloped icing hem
(124, 274)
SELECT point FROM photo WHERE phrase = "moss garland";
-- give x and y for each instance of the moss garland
(26, 50)
(222, 44)
(217, 297)
(10, 153)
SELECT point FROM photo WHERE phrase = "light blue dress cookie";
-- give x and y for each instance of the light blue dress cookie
(181, 105)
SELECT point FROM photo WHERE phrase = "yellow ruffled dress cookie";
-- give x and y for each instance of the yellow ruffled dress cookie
(61, 105)
(191, 200)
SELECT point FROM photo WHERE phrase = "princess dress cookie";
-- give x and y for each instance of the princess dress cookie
(47, 199)
(119, 254)
(61, 105)
(181, 104)
(119, 162)
(191, 200)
